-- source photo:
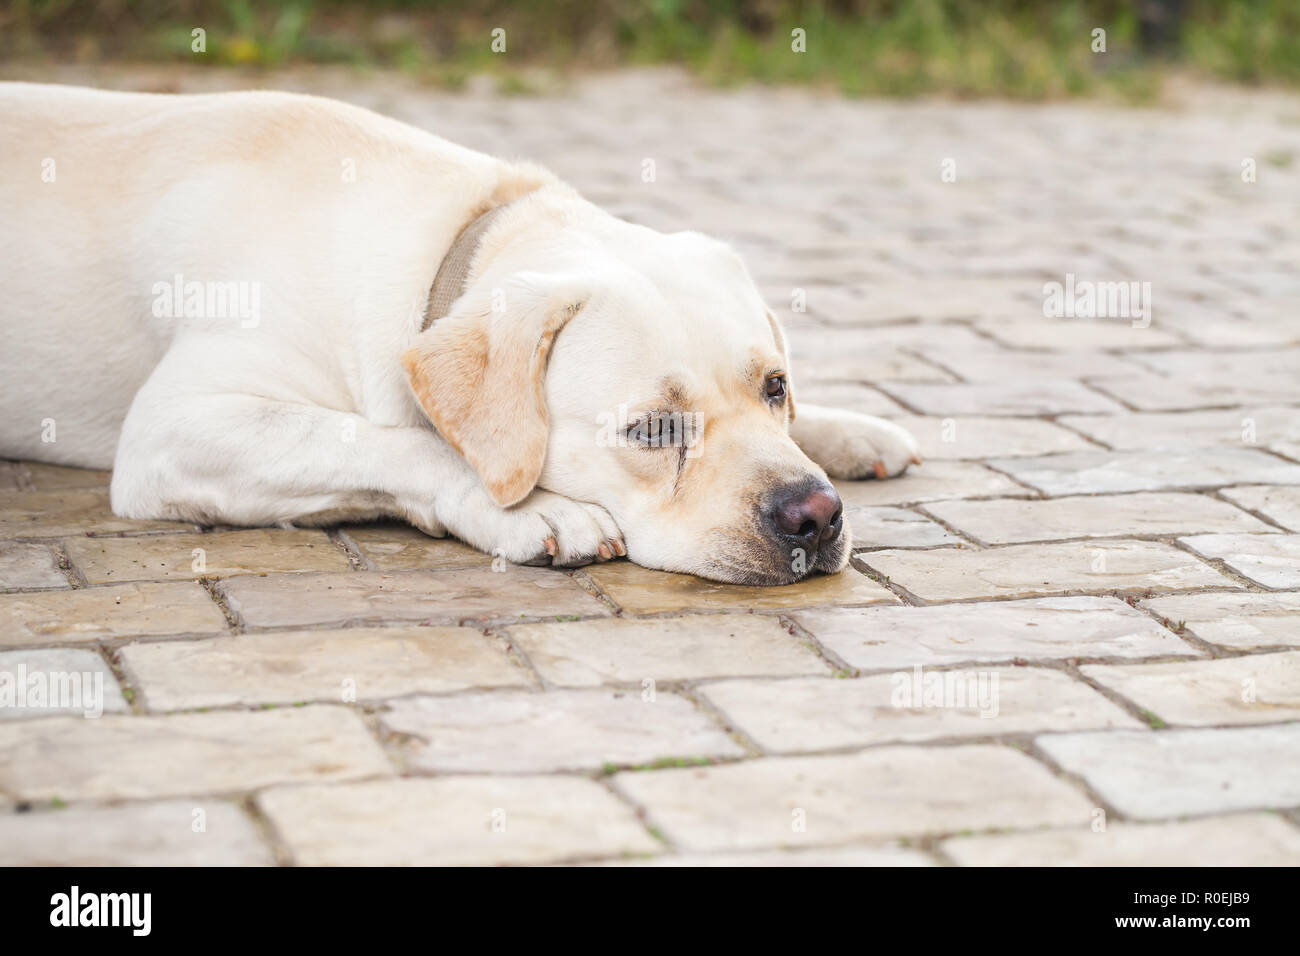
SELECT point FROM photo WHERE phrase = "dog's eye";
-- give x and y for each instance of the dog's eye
(774, 387)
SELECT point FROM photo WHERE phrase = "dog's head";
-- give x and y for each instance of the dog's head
(643, 373)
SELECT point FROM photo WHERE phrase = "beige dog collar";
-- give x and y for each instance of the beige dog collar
(449, 283)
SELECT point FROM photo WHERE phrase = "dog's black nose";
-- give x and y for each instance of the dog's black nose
(810, 515)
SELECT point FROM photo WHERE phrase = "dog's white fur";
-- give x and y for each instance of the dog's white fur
(321, 411)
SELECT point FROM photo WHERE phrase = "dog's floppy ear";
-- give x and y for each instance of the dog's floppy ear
(779, 335)
(480, 375)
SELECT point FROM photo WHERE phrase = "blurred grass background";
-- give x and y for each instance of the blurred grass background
(961, 48)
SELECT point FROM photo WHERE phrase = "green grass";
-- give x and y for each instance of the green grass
(959, 48)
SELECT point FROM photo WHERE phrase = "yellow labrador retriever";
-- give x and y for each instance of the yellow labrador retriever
(252, 306)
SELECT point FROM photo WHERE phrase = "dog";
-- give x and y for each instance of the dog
(267, 308)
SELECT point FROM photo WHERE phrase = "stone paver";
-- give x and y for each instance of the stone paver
(1157, 393)
(393, 547)
(591, 653)
(1016, 398)
(173, 556)
(639, 591)
(56, 514)
(843, 856)
(1259, 689)
(1278, 503)
(200, 832)
(851, 397)
(886, 792)
(933, 481)
(41, 682)
(1247, 839)
(29, 565)
(303, 600)
(478, 820)
(1075, 335)
(1234, 428)
(1170, 773)
(1053, 628)
(810, 714)
(378, 696)
(887, 527)
(139, 758)
(42, 477)
(343, 666)
(1098, 472)
(94, 614)
(1242, 621)
(524, 732)
(999, 364)
(1093, 516)
(985, 436)
(1270, 560)
(1025, 570)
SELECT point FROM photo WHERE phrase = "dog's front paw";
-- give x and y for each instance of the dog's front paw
(544, 528)
(850, 445)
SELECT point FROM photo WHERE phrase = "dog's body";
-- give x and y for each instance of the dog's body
(223, 297)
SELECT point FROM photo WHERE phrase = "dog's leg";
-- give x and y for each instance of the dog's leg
(851, 445)
(247, 460)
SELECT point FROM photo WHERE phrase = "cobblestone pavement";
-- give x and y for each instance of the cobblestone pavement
(1071, 636)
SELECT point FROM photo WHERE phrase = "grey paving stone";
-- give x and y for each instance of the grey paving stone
(985, 436)
(1242, 620)
(1272, 560)
(41, 682)
(201, 832)
(806, 715)
(339, 666)
(932, 481)
(628, 651)
(522, 732)
(1099, 472)
(818, 856)
(879, 793)
(94, 614)
(1257, 689)
(1014, 397)
(991, 364)
(454, 821)
(1076, 335)
(1094, 516)
(1151, 775)
(1157, 393)
(396, 547)
(1027, 570)
(638, 590)
(222, 554)
(1278, 503)
(1240, 839)
(78, 511)
(44, 477)
(144, 758)
(1053, 628)
(849, 396)
(478, 594)
(1233, 428)
(29, 566)
(887, 527)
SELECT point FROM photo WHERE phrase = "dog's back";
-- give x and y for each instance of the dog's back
(111, 199)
